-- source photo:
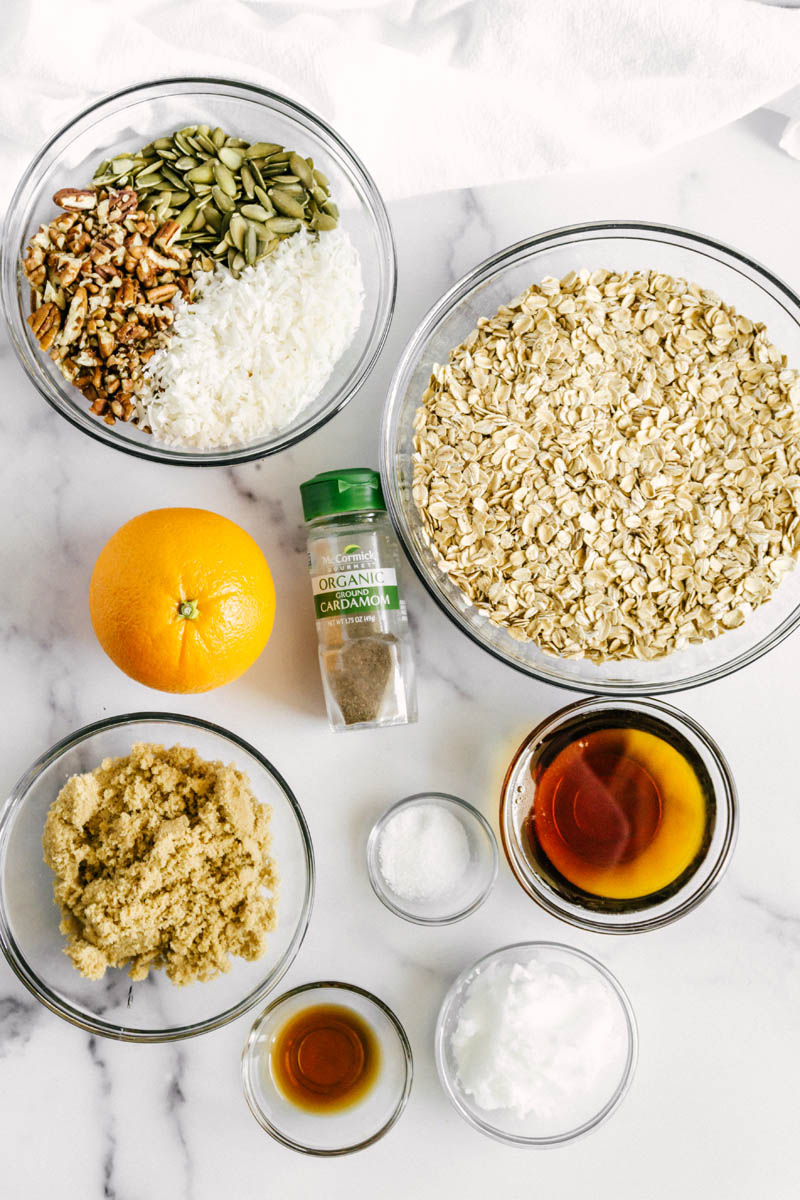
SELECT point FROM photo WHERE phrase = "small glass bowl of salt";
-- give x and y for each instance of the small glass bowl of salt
(432, 858)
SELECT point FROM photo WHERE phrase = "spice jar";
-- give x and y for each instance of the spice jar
(362, 628)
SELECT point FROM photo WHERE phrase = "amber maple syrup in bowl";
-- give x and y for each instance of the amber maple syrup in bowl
(618, 816)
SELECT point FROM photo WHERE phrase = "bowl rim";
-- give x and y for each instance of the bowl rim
(588, 1126)
(727, 807)
(248, 1059)
(482, 273)
(158, 452)
(96, 1025)
(373, 869)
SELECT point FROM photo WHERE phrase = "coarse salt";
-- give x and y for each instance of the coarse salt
(247, 355)
(423, 852)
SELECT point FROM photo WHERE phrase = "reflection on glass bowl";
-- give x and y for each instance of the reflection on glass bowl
(617, 245)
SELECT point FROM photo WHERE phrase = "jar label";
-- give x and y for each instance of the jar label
(362, 590)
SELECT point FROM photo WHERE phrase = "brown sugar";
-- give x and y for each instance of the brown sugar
(161, 859)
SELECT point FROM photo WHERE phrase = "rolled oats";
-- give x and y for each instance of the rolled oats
(610, 466)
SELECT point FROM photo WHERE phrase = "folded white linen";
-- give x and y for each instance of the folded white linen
(432, 94)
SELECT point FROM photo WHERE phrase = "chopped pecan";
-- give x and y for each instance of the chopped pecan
(76, 199)
(166, 235)
(43, 320)
(105, 342)
(66, 269)
(75, 317)
(102, 278)
(162, 293)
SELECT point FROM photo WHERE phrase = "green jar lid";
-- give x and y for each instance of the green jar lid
(355, 489)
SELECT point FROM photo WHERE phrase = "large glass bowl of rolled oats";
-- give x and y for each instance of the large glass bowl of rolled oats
(197, 272)
(591, 453)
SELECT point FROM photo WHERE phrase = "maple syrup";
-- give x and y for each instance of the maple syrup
(325, 1058)
(622, 810)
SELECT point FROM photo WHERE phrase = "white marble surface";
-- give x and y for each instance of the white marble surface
(713, 1107)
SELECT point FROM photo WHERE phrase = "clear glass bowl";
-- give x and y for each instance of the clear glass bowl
(328, 1134)
(478, 879)
(153, 1010)
(131, 118)
(752, 289)
(515, 806)
(501, 1124)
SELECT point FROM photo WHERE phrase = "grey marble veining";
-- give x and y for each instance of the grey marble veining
(713, 1109)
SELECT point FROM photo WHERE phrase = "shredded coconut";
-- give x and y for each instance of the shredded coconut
(248, 354)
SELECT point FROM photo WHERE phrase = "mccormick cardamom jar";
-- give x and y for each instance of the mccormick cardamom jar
(362, 628)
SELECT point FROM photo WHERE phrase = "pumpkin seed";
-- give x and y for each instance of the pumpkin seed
(238, 231)
(235, 200)
(173, 177)
(201, 174)
(225, 178)
(232, 159)
(251, 245)
(282, 225)
(299, 167)
(205, 142)
(222, 200)
(286, 204)
(254, 212)
(248, 183)
(265, 201)
(188, 214)
(262, 149)
(182, 144)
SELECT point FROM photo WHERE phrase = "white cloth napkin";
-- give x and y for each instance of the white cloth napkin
(433, 94)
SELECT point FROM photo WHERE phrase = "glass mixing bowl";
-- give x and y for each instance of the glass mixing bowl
(328, 1134)
(131, 118)
(589, 1111)
(154, 1009)
(636, 916)
(472, 889)
(750, 288)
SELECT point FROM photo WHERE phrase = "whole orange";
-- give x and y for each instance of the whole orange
(182, 599)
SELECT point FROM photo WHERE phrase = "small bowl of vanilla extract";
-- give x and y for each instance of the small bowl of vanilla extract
(618, 817)
(327, 1069)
